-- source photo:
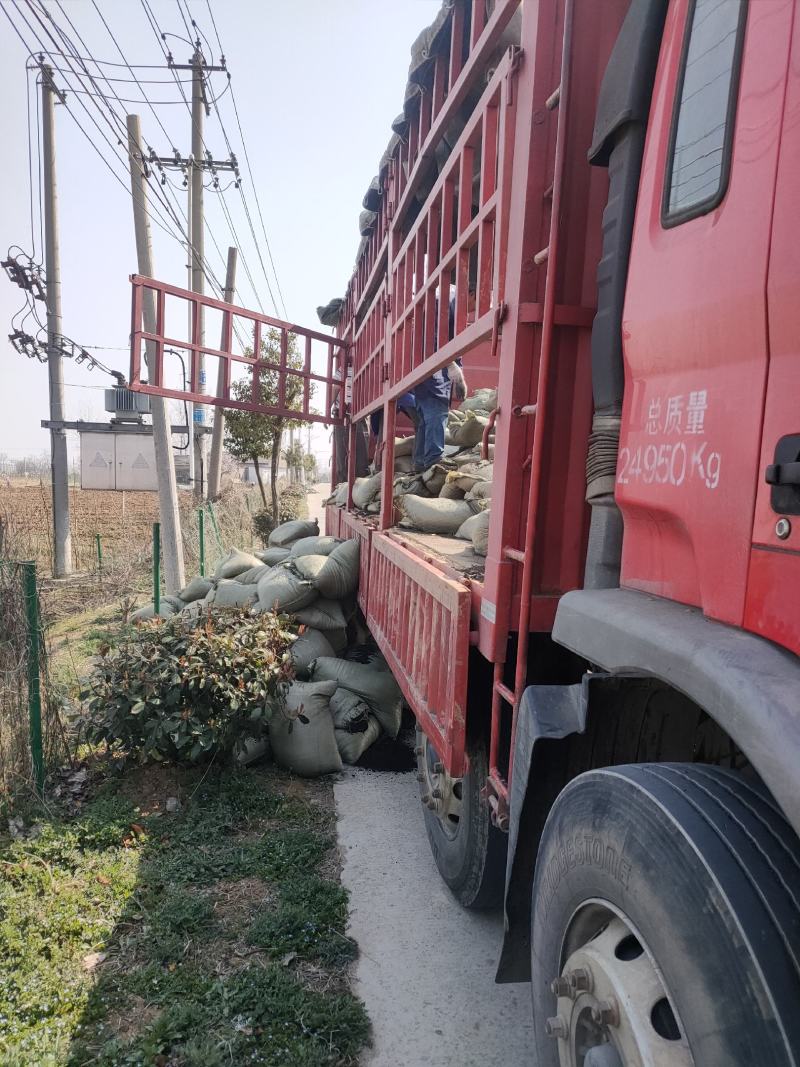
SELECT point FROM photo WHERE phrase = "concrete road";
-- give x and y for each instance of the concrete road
(426, 968)
(316, 502)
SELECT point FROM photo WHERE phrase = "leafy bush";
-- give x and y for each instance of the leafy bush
(263, 525)
(181, 690)
(292, 503)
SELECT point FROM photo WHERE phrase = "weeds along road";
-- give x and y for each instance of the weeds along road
(426, 967)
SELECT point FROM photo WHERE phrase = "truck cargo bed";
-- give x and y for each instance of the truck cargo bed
(456, 554)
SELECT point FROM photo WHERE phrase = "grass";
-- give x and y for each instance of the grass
(74, 642)
(130, 936)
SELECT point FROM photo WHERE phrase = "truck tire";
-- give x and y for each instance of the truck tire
(665, 925)
(468, 850)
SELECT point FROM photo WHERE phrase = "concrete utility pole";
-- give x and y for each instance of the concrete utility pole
(62, 540)
(215, 460)
(198, 237)
(162, 438)
(189, 404)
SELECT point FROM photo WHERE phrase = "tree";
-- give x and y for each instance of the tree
(310, 467)
(294, 460)
(250, 435)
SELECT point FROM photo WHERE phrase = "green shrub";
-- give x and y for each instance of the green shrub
(263, 525)
(182, 690)
(292, 503)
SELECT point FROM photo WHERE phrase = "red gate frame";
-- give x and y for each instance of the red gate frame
(157, 341)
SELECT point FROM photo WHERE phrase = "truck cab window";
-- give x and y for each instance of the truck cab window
(702, 128)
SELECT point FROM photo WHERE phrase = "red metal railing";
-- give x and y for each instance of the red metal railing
(295, 375)
(471, 41)
(473, 38)
(457, 245)
(333, 520)
(420, 620)
(351, 526)
(368, 355)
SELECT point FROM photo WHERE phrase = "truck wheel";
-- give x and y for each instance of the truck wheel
(468, 850)
(665, 923)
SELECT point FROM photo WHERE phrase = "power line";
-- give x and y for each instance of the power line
(160, 37)
(123, 81)
(91, 117)
(158, 217)
(216, 284)
(246, 160)
(114, 115)
(123, 99)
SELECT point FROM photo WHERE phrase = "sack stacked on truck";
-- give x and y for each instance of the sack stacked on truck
(457, 489)
(440, 499)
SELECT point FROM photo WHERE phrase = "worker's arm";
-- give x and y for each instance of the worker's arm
(459, 382)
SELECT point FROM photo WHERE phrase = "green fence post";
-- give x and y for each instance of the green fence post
(99, 552)
(156, 567)
(214, 524)
(34, 687)
(201, 530)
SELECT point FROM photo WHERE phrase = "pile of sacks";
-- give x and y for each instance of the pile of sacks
(338, 707)
(453, 497)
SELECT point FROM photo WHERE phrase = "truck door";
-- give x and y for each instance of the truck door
(773, 588)
(695, 322)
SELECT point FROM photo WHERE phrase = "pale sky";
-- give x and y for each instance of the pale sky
(317, 85)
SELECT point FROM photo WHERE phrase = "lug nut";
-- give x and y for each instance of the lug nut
(556, 1027)
(580, 980)
(437, 793)
(419, 751)
(606, 1013)
(438, 768)
(560, 987)
(420, 776)
(425, 798)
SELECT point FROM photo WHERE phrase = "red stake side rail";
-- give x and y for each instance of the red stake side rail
(459, 234)
(420, 620)
(150, 340)
(467, 42)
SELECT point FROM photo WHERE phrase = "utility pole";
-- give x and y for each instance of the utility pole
(215, 460)
(199, 105)
(62, 540)
(197, 164)
(162, 438)
(190, 405)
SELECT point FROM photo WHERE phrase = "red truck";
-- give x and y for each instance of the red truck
(609, 710)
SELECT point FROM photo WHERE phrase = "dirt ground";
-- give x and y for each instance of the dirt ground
(123, 520)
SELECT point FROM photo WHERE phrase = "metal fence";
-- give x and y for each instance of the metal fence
(30, 728)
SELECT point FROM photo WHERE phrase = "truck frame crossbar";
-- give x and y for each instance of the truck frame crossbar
(295, 376)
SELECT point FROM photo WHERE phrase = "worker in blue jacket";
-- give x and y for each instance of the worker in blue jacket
(432, 402)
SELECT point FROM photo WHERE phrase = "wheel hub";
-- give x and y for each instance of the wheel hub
(440, 793)
(612, 1008)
